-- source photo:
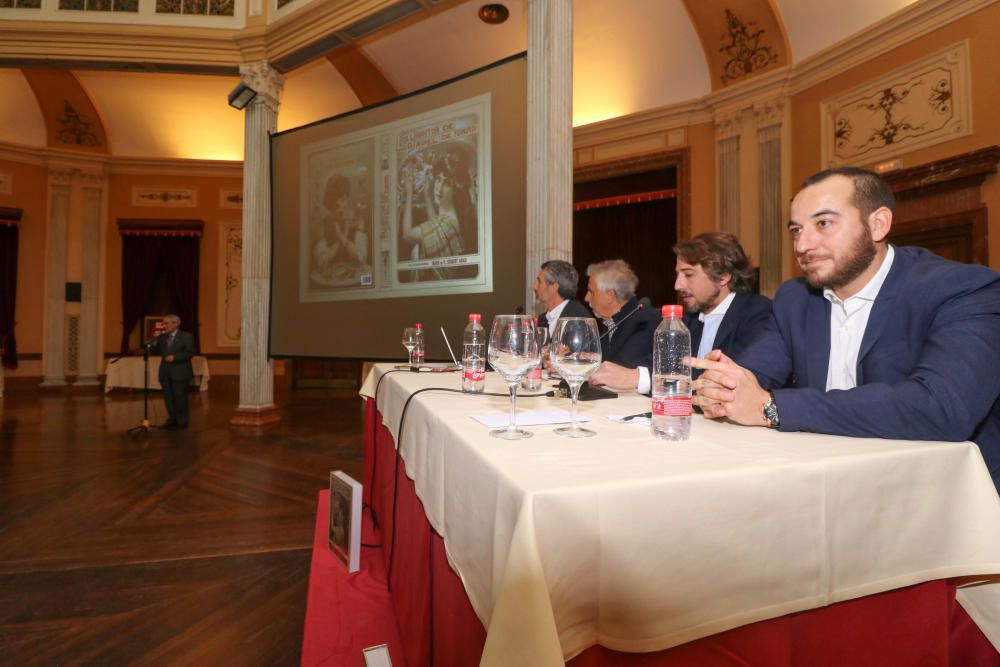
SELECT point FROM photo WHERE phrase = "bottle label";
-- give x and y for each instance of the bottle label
(535, 373)
(672, 406)
(475, 374)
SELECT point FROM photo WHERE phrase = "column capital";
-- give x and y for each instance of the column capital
(266, 80)
(61, 175)
(728, 124)
(770, 112)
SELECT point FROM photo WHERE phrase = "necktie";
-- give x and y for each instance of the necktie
(170, 342)
(610, 325)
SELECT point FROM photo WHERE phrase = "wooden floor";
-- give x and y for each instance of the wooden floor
(180, 547)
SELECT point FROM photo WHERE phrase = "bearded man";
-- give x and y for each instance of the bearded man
(874, 340)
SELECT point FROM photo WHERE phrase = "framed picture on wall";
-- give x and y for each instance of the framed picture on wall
(152, 326)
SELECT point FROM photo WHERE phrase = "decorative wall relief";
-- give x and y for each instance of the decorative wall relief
(165, 197)
(231, 198)
(743, 48)
(922, 104)
(73, 129)
(6, 182)
(230, 283)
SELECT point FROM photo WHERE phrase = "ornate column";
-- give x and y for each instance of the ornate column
(727, 136)
(550, 136)
(91, 252)
(53, 350)
(256, 370)
(770, 216)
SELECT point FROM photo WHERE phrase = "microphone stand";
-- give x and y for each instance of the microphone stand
(144, 427)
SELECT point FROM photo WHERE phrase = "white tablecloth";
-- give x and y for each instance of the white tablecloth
(639, 544)
(127, 372)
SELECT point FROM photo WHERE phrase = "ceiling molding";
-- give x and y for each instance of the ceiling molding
(53, 157)
(166, 48)
(67, 44)
(893, 31)
(316, 22)
(644, 122)
(775, 83)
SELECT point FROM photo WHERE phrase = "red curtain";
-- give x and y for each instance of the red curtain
(8, 292)
(181, 261)
(144, 255)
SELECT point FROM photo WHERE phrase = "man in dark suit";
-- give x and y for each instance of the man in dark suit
(878, 341)
(176, 348)
(555, 286)
(713, 283)
(626, 327)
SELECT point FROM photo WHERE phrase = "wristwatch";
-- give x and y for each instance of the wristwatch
(770, 410)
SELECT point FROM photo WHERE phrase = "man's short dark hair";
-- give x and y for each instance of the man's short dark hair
(871, 191)
(719, 254)
(563, 274)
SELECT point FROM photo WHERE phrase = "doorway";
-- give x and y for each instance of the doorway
(635, 210)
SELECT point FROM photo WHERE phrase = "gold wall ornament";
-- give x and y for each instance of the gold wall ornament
(74, 129)
(919, 105)
(744, 49)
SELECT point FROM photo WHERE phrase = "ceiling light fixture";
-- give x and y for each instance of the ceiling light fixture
(493, 13)
(241, 96)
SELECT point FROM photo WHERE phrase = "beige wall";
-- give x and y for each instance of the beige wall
(982, 29)
(29, 193)
(207, 210)
(701, 139)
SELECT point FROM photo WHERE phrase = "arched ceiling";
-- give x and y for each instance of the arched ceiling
(629, 56)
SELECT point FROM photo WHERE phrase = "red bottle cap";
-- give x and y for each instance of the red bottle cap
(672, 311)
(419, 325)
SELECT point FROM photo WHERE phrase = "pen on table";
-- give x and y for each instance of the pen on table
(640, 415)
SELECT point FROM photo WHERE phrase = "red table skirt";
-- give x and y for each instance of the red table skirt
(918, 625)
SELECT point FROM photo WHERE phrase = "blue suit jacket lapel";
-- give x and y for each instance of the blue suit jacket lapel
(818, 335)
(726, 328)
(879, 318)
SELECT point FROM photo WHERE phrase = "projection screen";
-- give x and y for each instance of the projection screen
(408, 211)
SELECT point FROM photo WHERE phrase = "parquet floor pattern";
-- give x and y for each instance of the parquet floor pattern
(174, 548)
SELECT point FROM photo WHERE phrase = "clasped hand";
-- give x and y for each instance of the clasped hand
(726, 389)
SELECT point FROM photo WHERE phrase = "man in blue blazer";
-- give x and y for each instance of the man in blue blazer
(713, 282)
(874, 341)
(176, 348)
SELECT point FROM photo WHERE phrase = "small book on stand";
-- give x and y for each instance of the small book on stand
(345, 519)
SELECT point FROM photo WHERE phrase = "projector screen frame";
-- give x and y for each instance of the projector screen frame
(450, 309)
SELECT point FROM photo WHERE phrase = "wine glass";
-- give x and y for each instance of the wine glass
(576, 353)
(410, 342)
(513, 352)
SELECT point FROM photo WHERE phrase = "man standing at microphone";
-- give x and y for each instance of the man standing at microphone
(176, 348)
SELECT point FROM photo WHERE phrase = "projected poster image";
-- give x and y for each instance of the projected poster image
(339, 223)
(437, 199)
(402, 209)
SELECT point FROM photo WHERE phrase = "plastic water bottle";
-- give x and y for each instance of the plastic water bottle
(418, 349)
(474, 355)
(532, 380)
(671, 375)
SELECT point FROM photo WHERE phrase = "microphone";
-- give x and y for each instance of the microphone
(645, 302)
(519, 310)
(638, 307)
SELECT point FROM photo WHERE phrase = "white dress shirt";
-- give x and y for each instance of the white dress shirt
(554, 314)
(712, 322)
(848, 320)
